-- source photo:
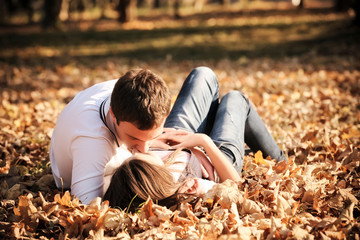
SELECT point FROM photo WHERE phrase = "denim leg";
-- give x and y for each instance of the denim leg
(195, 107)
(258, 137)
(237, 123)
(229, 127)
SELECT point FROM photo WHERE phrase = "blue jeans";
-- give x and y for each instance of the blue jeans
(230, 123)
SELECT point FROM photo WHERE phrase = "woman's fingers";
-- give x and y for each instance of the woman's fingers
(159, 144)
(175, 138)
(173, 135)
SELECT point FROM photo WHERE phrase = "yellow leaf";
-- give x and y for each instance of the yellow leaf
(259, 158)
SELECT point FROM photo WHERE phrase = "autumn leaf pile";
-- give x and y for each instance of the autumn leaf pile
(310, 102)
(313, 115)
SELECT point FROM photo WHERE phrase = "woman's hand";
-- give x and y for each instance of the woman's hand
(189, 140)
(168, 138)
(207, 168)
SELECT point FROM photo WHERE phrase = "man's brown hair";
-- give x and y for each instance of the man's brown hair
(141, 98)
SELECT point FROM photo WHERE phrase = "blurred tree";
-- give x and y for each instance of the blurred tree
(340, 5)
(357, 12)
(224, 2)
(157, 3)
(81, 5)
(71, 6)
(126, 10)
(51, 14)
(9, 7)
(176, 9)
(26, 4)
(345, 5)
(3, 11)
(141, 3)
(301, 4)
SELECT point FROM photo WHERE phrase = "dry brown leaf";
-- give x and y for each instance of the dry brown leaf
(226, 193)
(310, 102)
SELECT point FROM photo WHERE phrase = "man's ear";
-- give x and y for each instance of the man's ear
(112, 115)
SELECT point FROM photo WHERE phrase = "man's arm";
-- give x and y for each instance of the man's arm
(90, 156)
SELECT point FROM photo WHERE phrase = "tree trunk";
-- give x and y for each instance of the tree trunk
(3, 11)
(357, 12)
(301, 4)
(51, 13)
(157, 4)
(126, 10)
(123, 10)
(225, 2)
(339, 5)
(176, 9)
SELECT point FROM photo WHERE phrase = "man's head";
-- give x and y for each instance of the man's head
(140, 102)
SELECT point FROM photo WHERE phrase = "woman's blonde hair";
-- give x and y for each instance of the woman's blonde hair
(137, 179)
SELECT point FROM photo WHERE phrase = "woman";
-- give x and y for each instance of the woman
(221, 129)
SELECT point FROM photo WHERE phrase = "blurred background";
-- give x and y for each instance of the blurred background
(50, 13)
(174, 29)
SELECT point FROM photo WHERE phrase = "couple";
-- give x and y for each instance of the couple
(118, 138)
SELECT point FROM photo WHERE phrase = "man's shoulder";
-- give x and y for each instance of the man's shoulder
(107, 83)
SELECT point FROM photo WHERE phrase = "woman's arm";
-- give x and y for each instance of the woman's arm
(206, 166)
(221, 163)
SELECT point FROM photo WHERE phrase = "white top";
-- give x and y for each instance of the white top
(81, 144)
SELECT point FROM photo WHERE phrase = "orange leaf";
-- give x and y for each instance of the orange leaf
(64, 200)
(259, 158)
(147, 208)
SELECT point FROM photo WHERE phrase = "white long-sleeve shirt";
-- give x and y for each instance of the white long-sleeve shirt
(81, 145)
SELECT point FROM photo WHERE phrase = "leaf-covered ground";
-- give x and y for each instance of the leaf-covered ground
(309, 97)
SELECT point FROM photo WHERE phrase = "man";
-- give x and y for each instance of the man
(105, 124)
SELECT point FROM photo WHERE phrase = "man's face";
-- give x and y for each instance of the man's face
(135, 139)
